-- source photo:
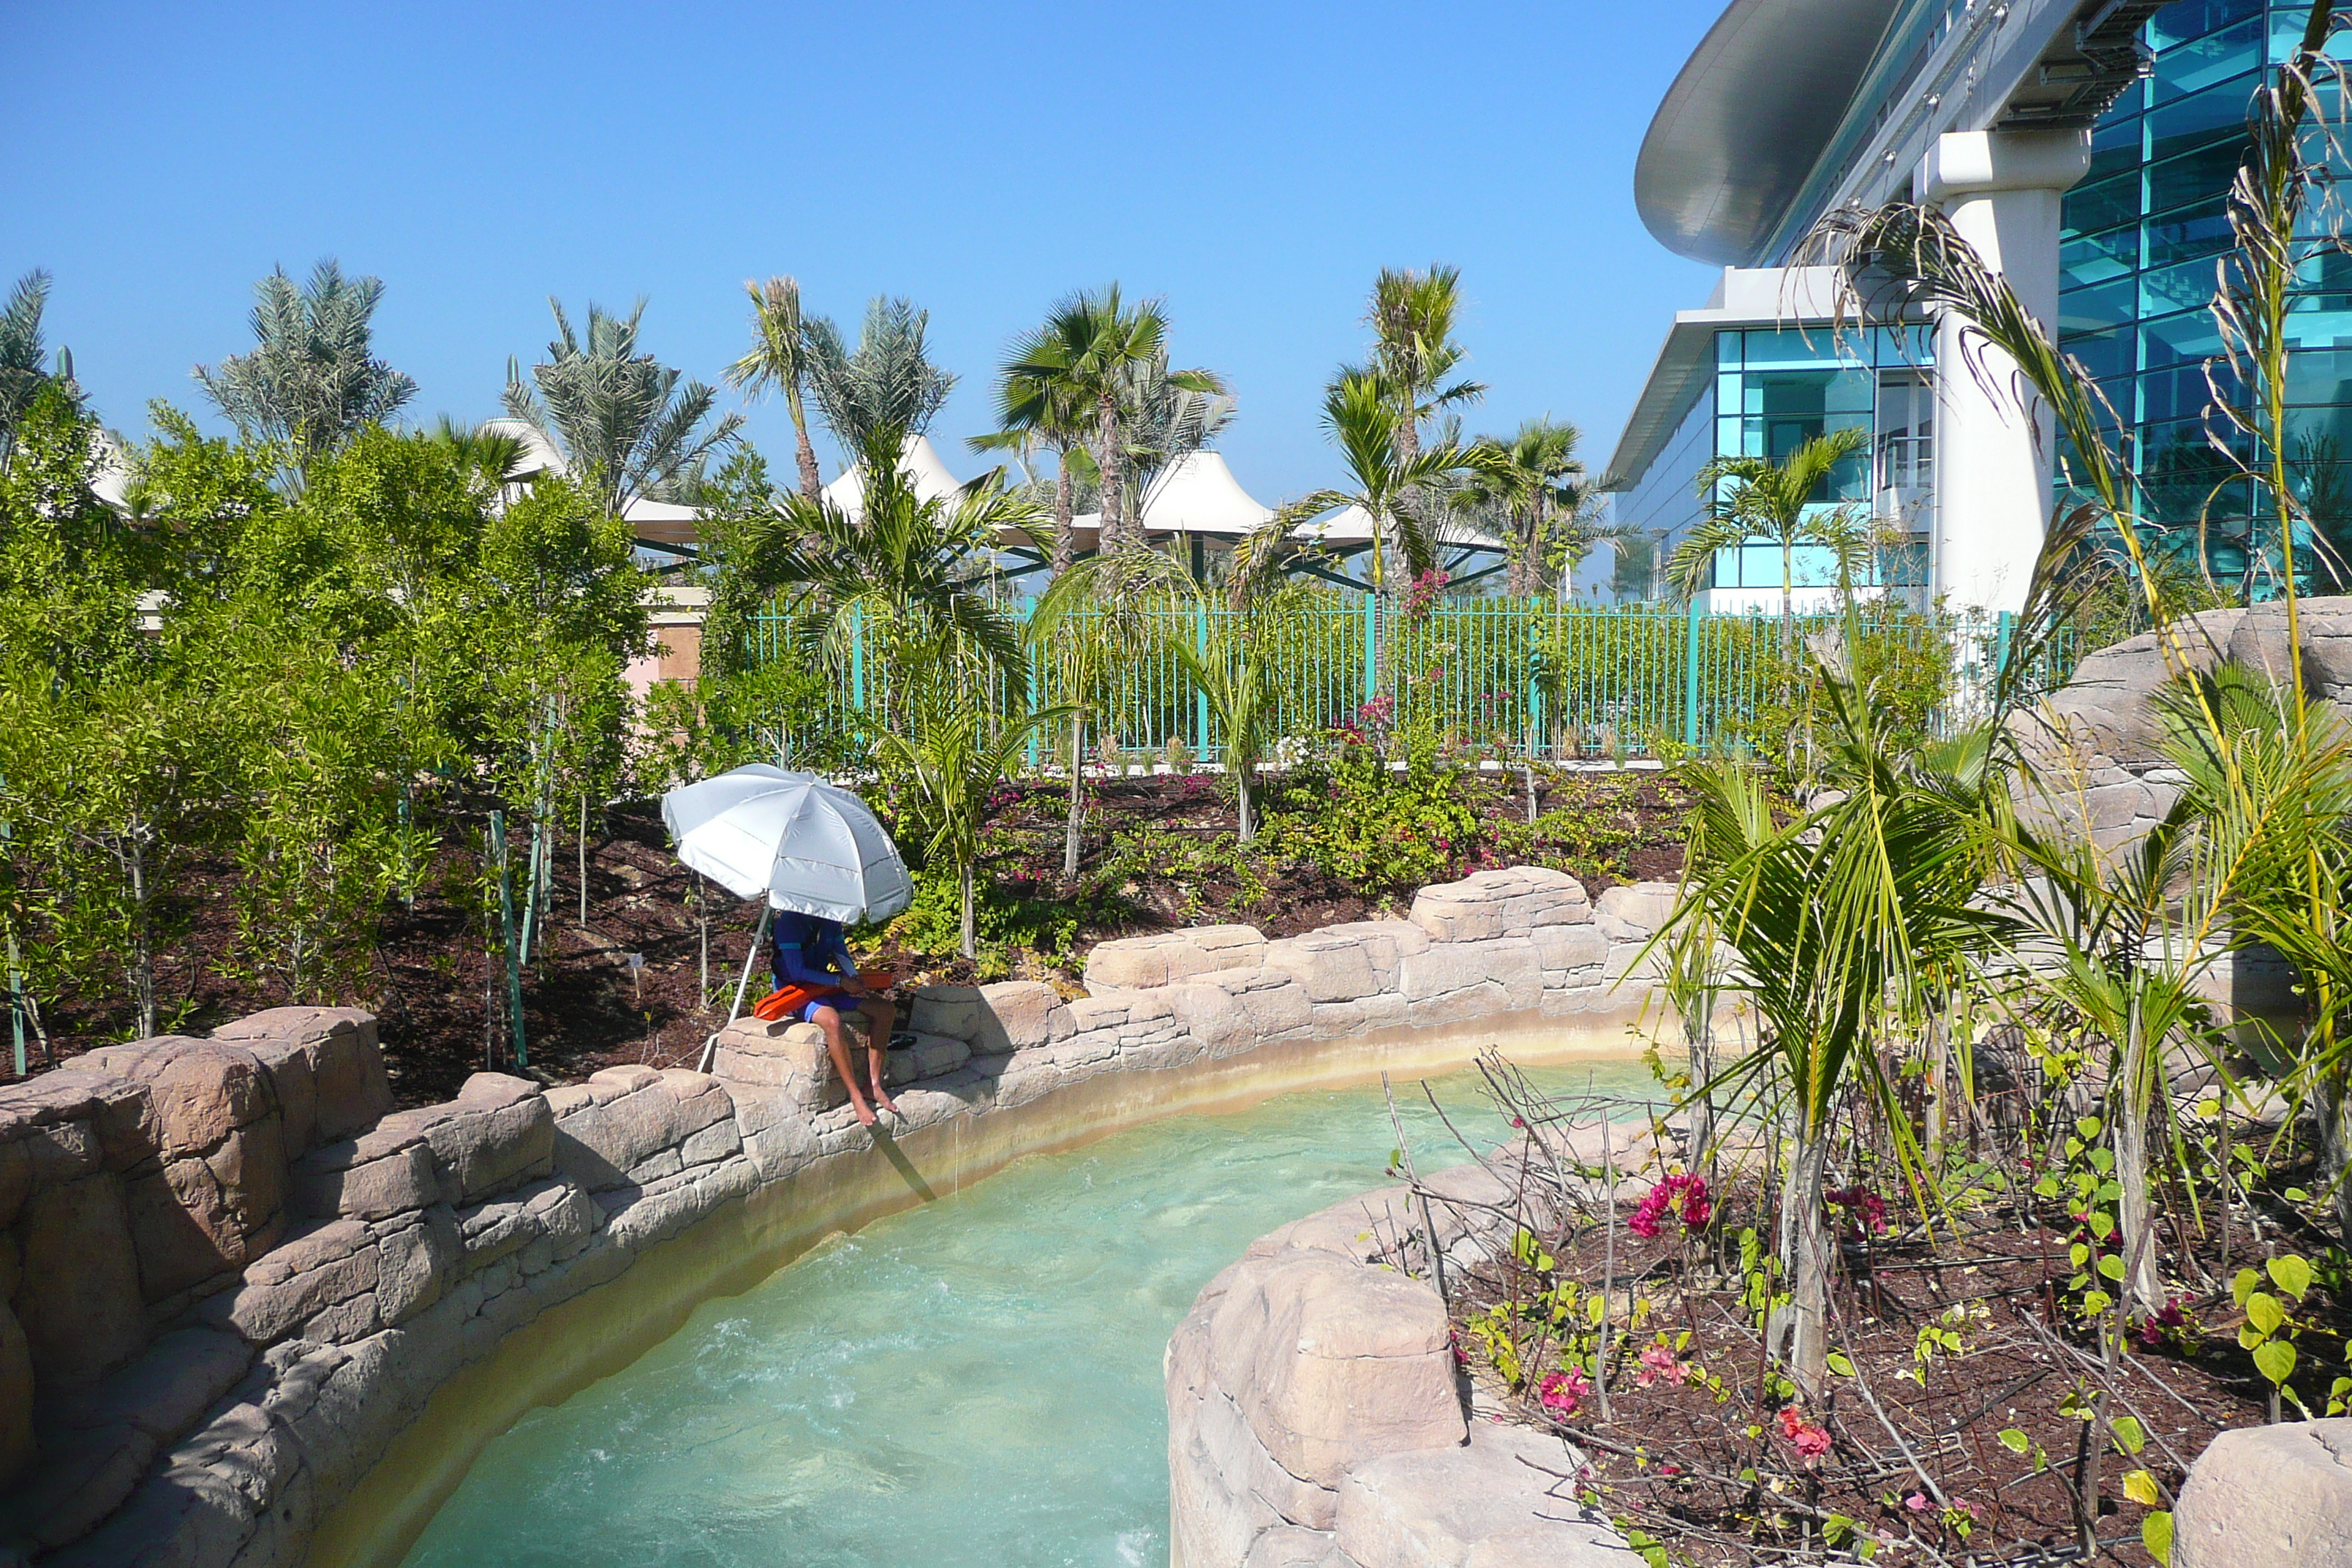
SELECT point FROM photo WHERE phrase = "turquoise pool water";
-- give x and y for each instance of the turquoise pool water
(975, 1381)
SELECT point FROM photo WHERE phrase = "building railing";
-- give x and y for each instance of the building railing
(1513, 678)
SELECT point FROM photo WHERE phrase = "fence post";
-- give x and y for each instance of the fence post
(1690, 675)
(1026, 608)
(1201, 647)
(1372, 646)
(2001, 646)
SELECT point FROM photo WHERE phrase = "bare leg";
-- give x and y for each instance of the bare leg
(880, 1017)
(837, 1046)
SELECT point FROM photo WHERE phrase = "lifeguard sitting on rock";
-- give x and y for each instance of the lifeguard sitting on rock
(816, 982)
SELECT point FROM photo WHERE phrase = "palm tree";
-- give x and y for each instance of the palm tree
(1361, 415)
(1414, 351)
(627, 429)
(312, 381)
(490, 452)
(1832, 918)
(1527, 478)
(779, 360)
(1093, 614)
(1754, 498)
(1030, 413)
(1240, 672)
(951, 767)
(1082, 359)
(914, 575)
(890, 380)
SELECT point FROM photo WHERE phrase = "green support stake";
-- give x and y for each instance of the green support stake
(857, 659)
(2001, 646)
(506, 932)
(1372, 646)
(1690, 675)
(1199, 698)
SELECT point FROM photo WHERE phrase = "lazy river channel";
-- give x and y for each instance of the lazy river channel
(976, 1380)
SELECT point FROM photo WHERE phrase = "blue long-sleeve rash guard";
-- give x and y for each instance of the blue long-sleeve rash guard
(809, 950)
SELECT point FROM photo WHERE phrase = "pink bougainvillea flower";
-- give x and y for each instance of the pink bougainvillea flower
(1658, 1364)
(1561, 1392)
(1917, 1502)
(1865, 1208)
(1681, 1196)
(1810, 1441)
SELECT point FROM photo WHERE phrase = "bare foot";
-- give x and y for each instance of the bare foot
(865, 1112)
(885, 1102)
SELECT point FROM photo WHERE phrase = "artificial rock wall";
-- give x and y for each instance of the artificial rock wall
(230, 1275)
(1316, 1418)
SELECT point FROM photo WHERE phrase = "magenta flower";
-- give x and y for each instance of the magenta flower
(1561, 1392)
(1810, 1441)
(1683, 1195)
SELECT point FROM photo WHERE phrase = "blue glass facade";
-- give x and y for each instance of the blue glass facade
(2137, 271)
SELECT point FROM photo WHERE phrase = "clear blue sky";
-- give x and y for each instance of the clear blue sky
(1254, 164)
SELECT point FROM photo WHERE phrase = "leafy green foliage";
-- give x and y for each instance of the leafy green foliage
(1383, 830)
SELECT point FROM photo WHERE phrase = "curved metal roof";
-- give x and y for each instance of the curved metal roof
(1747, 118)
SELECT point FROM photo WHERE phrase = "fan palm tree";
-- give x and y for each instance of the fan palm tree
(950, 766)
(913, 574)
(1529, 479)
(1031, 413)
(624, 425)
(1361, 416)
(889, 380)
(779, 360)
(1754, 498)
(1082, 358)
(312, 380)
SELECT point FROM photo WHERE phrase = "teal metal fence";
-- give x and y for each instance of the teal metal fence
(1513, 677)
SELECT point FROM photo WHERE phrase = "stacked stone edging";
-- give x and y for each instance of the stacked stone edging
(230, 1277)
(1316, 1419)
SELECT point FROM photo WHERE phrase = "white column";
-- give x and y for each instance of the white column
(2001, 189)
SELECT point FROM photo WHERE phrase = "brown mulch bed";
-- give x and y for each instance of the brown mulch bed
(427, 976)
(1719, 1481)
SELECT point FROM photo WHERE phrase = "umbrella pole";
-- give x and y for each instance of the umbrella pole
(759, 938)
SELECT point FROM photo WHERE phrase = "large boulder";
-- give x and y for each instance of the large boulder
(1137, 962)
(1506, 1499)
(1331, 1364)
(498, 1133)
(80, 1303)
(2264, 1496)
(336, 1049)
(1019, 1016)
(215, 1197)
(1510, 901)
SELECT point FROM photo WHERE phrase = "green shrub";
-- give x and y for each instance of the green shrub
(1359, 821)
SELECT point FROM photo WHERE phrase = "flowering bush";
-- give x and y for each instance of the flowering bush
(1683, 1195)
(1810, 1441)
(1422, 596)
(1865, 1210)
(1561, 1392)
(1377, 716)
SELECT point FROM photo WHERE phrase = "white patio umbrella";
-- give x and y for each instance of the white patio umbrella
(793, 840)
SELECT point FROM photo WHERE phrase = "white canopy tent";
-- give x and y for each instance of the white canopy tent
(1198, 494)
(921, 461)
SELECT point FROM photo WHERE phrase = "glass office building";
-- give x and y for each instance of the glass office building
(1774, 388)
(2137, 274)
